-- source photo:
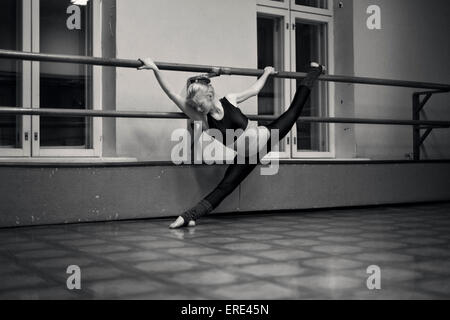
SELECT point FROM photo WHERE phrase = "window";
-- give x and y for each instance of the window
(65, 86)
(310, 45)
(294, 36)
(56, 27)
(10, 74)
(270, 53)
(275, 3)
(323, 7)
(313, 3)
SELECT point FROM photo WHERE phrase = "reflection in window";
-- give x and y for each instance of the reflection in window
(270, 53)
(10, 73)
(65, 86)
(313, 3)
(311, 46)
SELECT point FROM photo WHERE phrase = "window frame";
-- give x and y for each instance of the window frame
(95, 151)
(313, 10)
(25, 70)
(330, 88)
(275, 4)
(290, 4)
(292, 12)
(284, 14)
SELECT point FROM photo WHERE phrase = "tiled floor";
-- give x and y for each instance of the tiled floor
(304, 255)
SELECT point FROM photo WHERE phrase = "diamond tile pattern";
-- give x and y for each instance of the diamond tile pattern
(304, 255)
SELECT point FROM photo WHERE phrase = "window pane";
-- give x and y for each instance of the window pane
(10, 73)
(65, 86)
(311, 46)
(270, 53)
(313, 3)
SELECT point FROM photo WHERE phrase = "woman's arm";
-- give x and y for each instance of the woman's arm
(253, 90)
(148, 64)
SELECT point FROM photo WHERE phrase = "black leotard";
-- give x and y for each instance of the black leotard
(233, 118)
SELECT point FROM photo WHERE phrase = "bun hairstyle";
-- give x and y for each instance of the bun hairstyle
(203, 79)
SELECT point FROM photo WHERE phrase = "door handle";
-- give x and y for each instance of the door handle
(36, 136)
(26, 136)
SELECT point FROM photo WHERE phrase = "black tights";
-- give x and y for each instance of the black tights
(235, 172)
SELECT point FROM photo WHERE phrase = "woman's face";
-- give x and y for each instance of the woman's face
(204, 100)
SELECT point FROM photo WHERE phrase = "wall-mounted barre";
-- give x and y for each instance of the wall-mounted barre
(127, 63)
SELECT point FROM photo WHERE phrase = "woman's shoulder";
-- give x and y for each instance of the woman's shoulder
(231, 99)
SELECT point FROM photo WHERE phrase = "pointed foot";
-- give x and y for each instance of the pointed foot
(180, 223)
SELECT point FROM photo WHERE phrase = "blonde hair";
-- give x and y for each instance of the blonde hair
(191, 93)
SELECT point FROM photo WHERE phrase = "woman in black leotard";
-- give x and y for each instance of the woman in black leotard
(203, 106)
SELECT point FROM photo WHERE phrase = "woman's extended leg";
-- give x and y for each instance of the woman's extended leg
(286, 121)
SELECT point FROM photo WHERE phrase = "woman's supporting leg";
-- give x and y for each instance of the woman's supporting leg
(233, 177)
(235, 174)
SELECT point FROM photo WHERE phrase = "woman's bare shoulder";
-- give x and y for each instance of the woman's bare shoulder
(232, 98)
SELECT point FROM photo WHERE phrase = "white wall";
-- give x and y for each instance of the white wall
(414, 44)
(344, 99)
(210, 32)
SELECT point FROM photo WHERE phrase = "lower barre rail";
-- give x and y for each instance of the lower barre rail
(177, 115)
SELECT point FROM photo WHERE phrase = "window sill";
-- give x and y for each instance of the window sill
(324, 160)
(132, 162)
